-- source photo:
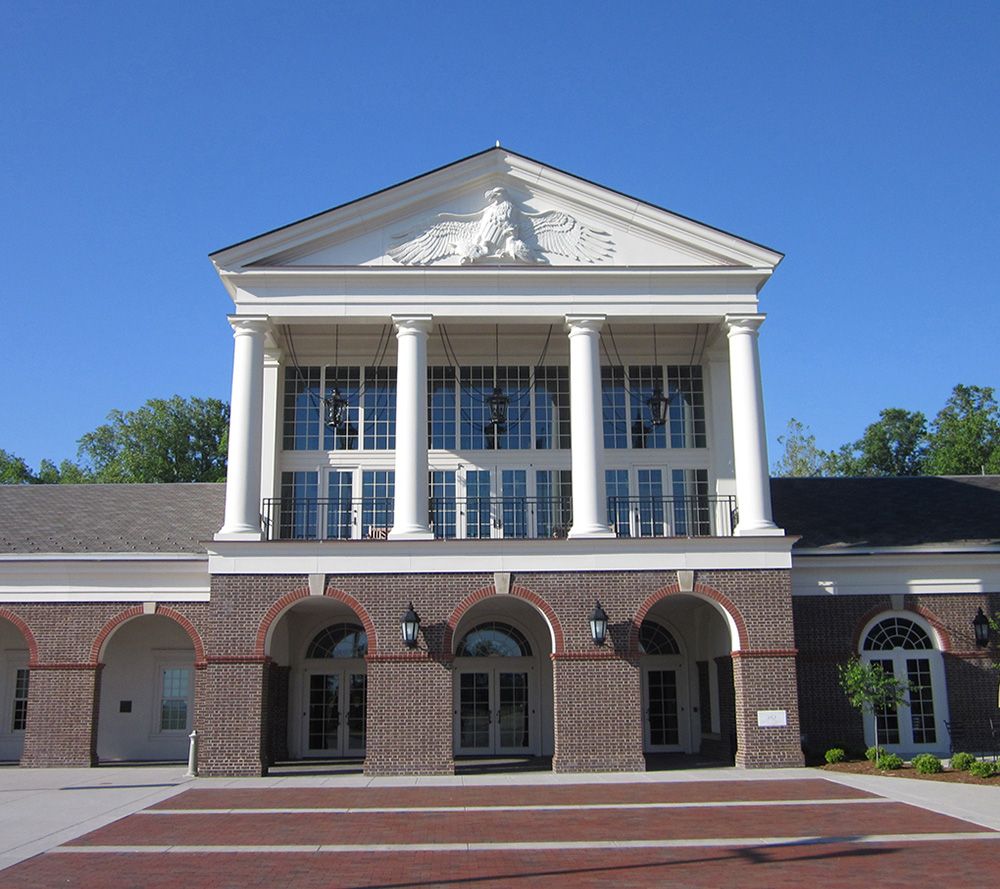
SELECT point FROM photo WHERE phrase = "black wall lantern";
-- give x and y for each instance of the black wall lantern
(598, 624)
(981, 624)
(335, 410)
(409, 624)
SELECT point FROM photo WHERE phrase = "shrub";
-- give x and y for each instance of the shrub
(872, 754)
(927, 764)
(889, 761)
(960, 762)
(835, 754)
(981, 769)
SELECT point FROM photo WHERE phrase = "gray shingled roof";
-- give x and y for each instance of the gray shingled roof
(109, 518)
(843, 513)
(837, 514)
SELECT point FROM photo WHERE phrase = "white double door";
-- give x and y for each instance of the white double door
(666, 717)
(496, 700)
(334, 714)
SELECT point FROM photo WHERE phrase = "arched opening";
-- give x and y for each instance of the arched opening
(503, 681)
(13, 691)
(147, 691)
(688, 695)
(906, 647)
(318, 682)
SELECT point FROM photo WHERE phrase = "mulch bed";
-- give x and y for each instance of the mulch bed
(864, 767)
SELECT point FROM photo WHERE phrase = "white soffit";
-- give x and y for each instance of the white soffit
(595, 227)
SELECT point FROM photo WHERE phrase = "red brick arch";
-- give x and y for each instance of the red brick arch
(517, 592)
(289, 599)
(936, 623)
(97, 649)
(25, 631)
(701, 591)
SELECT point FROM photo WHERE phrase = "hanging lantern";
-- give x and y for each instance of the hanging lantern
(335, 410)
(658, 404)
(598, 624)
(409, 624)
(499, 403)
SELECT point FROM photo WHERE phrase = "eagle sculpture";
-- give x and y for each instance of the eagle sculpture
(502, 232)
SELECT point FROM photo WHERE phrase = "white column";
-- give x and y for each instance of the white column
(246, 410)
(271, 425)
(410, 519)
(753, 491)
(590, 508)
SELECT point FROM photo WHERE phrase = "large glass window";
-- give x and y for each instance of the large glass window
(441, 413)
(477, 503)
(552, 426)
(340, 504)
(339, 640)
(175, 693)
(299, 516)
(554, 502)
(626, 415)
(377, 501)
(347, 381)
(443, 504)
(616, 486)
(692, 514)
(302, 409)
(516, 384)
(494, 639)
(380, 408)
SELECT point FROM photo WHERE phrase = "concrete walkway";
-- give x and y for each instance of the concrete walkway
(44, 808)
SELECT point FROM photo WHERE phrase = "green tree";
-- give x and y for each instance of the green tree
(66, 473)
(895, 444)
(965, 435)
(14, 470)
(869, 687)
(165, 440)
(800, 457)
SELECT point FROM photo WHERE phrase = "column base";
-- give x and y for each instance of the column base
(590, 531)
(413, 532)
(239, 534)
(768, 529)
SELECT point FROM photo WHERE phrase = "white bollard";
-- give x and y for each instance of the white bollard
(192, 771)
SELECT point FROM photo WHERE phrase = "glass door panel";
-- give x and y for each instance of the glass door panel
(324, 712)
(662, 723)
(478, 521)
(474, 713)
(514, 500)
(512, 722)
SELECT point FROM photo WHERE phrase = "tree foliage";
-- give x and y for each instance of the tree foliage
(965, 436)
(870, 688)
(895, 444)
(14, 470)
(165, 440)
(800, 457)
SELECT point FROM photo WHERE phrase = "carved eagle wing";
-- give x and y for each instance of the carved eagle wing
(442, 239)
(559, 233)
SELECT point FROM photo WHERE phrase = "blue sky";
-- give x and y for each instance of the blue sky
(860, 139)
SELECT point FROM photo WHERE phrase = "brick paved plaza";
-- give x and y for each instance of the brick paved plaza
(762, 833)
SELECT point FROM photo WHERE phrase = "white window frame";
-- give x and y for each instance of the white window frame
(12, 660)
(171, 660)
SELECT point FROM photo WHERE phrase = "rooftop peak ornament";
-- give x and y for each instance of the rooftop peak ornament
(502, 232)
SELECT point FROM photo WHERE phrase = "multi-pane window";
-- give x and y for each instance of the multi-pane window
(340, 504)
(616, 488)
(651, 504)
(918, 672)
(443, 503)
(554, 502)
(626, 412)
(477, 503)
(302, 409)
(299, 516)
(692, 514)
(175, 692)
(377, 500)
(515, 434)
(380, 408)
(514, 505)
(20, 715)
(347, 382)
(441, 410)
(552, 427)
(477, 431)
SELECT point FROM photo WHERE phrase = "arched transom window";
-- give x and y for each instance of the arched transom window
(656, 639)
(494, 640)
(897, 632)
(339, 640)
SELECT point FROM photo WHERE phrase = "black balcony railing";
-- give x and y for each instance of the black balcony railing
(481, 518)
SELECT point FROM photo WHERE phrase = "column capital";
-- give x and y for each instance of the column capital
(249, 324)
(743, 324)
(577, 324)
(411, 324)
